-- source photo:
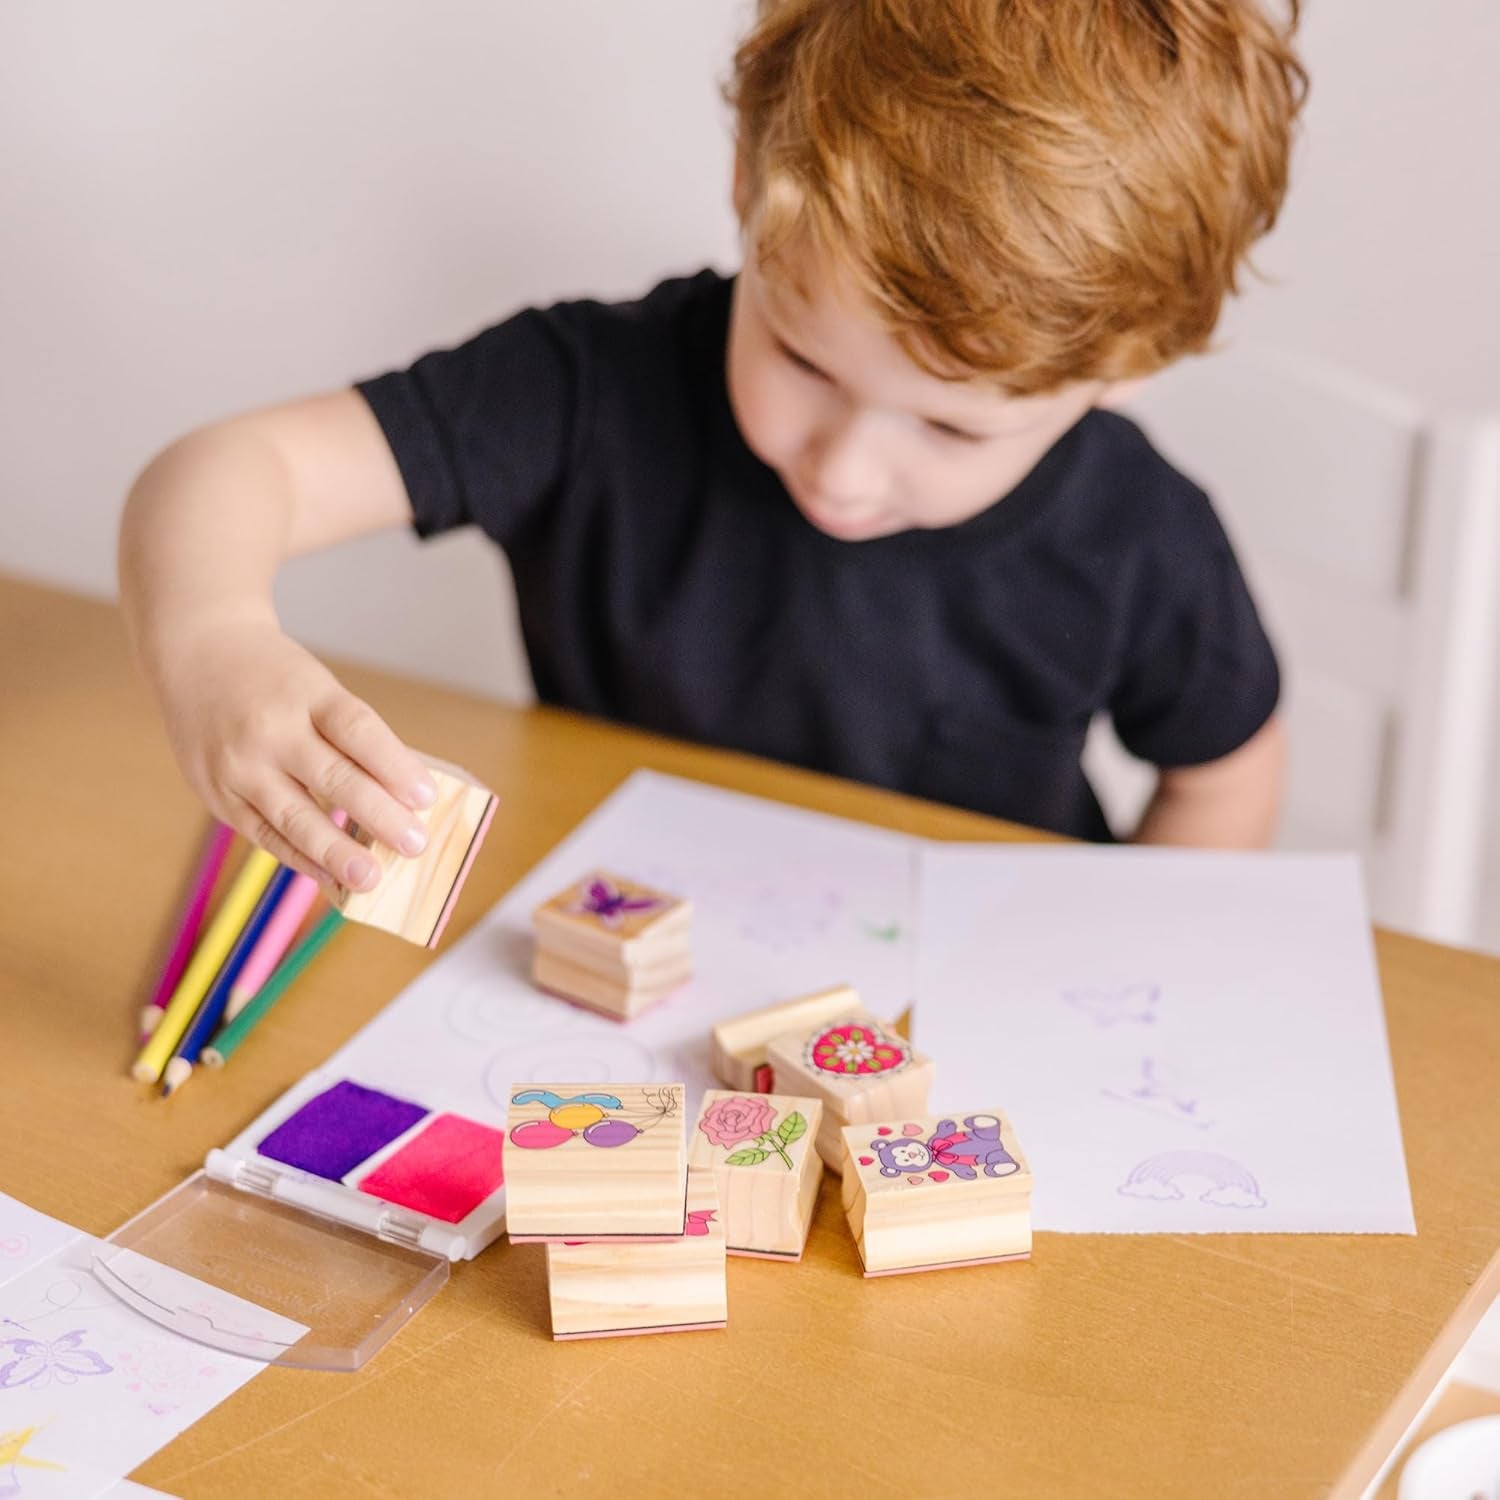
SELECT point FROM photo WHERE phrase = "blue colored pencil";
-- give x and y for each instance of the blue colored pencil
(206, 1021)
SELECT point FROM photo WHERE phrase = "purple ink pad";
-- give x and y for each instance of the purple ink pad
(345, 1125)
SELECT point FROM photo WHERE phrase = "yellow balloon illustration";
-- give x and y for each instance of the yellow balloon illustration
(575, 1116)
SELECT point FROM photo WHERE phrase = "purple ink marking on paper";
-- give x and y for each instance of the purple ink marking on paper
(1156, 1093)
(39, 1364)
(1229, 1184)
(1133, 1002)
(345, 1125)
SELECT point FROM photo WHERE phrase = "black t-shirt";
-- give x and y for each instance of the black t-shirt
(666, 578)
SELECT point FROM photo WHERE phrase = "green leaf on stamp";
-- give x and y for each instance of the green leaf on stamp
(793, 1128)
(749, 1157)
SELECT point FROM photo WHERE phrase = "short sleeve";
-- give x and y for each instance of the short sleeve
(1200, 676)
(483, 432)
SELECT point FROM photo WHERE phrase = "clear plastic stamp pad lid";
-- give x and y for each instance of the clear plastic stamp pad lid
(249, 1275)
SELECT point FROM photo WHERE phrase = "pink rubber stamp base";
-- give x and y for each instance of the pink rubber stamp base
(463, 872)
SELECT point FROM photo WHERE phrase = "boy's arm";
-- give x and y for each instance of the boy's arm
(1230, 803)
(262, 730)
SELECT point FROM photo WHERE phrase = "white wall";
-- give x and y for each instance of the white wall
(208, 207)
(211, 206)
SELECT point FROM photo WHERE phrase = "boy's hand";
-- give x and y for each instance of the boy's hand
(273, 744)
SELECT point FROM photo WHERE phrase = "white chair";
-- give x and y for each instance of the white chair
(1371, 538)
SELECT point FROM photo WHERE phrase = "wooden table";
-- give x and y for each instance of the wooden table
(1223, 1365)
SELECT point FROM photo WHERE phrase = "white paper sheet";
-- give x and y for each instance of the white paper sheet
(1185, 1042)
(27, 1238)
(89, 1388)
(784, 902)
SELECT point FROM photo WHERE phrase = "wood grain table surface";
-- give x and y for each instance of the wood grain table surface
(1160, 1365)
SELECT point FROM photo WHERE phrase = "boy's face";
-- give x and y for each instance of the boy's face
(866, 442)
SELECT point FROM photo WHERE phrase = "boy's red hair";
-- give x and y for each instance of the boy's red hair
(1033, 191)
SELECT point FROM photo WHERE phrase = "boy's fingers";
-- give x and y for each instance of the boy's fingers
(335, 781)
(247, 820)
(288, 819)
(355, 729)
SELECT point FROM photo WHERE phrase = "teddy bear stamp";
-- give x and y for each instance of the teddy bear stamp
(927, 1193)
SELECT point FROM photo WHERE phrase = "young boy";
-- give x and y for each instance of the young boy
(858, 508)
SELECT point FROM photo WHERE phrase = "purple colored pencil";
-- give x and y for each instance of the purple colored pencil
(192, 923)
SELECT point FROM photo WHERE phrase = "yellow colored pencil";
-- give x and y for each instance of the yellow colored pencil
(254, 876)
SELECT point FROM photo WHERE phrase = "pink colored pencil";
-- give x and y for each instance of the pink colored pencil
(192, 922)
(273, 942)
(277, 937)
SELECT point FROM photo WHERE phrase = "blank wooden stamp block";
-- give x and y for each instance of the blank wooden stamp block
(860, 1070)
(930, 1193)
(416, 896)
(599, 1289)
(760, 1150)
(740, 1045)
(595, 1160)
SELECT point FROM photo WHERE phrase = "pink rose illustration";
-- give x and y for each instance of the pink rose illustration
(735, 1119)
(727, 1122)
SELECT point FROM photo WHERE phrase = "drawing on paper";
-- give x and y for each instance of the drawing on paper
(882, 932)
(963, 1153)
(1159, 1092)
(65, 1295)
(587, 1117)
(855, 1049)
(799, 907)
(14, 1246)
(1131, 1003)
(734, 1120)
(1229, 1185)
(778, 918)
(39, 1363)
(161, 1373)
(584, 1053)
(491, 1012)
(13, 1457)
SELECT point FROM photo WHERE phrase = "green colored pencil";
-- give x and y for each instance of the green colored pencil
(272, 990)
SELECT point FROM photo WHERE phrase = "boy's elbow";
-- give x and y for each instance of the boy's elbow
(1230, 803)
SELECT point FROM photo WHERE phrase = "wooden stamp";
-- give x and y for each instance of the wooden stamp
(740, 1045)
(416, 896)
(595, 1161)
(929, 1193)
(600, 1289)
(612, 944)
(760, 1150)
(860, 1070)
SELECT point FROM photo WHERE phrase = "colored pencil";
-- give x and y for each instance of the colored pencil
(207, 1017)
(274, 942)
(228, 922)
(272, 990)
(209, 867)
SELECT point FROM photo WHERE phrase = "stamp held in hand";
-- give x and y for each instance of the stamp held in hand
(416, 894)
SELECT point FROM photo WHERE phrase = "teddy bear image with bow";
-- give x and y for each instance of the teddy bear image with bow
(963, 1152)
